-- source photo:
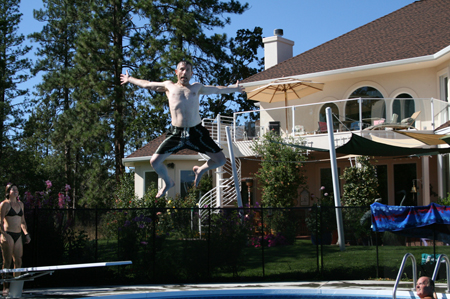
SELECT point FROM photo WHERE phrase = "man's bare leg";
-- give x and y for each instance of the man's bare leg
(217, 160)
(161, 169)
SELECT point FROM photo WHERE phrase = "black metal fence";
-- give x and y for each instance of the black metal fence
(216, 245)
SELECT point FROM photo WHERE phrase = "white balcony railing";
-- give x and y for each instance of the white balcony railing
(348, 115)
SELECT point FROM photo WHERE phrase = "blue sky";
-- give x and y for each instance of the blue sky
(308, 23)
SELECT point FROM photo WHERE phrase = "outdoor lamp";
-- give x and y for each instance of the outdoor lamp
(414, 188)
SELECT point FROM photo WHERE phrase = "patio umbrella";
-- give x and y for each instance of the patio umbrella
(284, 90)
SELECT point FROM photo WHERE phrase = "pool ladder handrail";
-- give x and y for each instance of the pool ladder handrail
(400, 273)
(447, 268)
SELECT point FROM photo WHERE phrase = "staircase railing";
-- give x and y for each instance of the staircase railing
(224, 193)
(228, 192)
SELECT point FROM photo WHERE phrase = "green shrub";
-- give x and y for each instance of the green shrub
(281, 172)
(322, 216)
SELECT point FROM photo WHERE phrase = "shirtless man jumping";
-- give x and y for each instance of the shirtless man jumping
(186, 130)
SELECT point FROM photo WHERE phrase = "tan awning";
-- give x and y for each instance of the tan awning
(398, 142)
(430, 139)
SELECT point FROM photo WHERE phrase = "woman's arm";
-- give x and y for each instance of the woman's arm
(23, 225)
(3, 211)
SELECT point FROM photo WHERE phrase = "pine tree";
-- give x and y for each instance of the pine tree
(242, 62)
(52, 120)
(13, 71)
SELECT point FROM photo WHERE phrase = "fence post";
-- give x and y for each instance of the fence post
(321, 241)
(209, 242)
(96, 234)
(36, 240)
(317, 237)
(262, 241)
(154, 242)
(378, 260)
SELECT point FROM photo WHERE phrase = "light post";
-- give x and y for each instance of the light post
(414, 190)
(249, 183)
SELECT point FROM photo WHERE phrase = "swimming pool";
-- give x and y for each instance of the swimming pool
(270, 293)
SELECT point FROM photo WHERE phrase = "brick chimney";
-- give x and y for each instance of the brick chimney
(276, 49)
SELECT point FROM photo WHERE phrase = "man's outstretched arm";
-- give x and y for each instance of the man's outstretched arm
(206, 89)
(158, 86)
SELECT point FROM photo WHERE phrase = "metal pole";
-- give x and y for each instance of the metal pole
(335, 175)
(360, 115)
(432, 113)
(293, 121)
(234, 127)
(233, 166)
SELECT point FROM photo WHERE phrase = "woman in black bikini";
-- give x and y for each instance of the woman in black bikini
(12, 223)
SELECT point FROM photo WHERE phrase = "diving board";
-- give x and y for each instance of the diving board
(16, 283)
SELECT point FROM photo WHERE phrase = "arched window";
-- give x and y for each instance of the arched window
(403, 106)
(371, 107)
(334, 110)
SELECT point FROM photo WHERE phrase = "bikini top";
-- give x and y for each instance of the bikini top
(13, 212)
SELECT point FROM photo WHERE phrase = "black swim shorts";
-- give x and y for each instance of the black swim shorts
(195, 138)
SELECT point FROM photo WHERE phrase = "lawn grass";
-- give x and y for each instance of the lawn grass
(181, 260)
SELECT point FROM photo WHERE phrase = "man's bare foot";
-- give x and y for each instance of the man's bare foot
(163, 191)
(198, 175)
(5, 289)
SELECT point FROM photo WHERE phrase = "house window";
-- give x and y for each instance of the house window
(187, 178)
(334, 110)
(150, 180)
(371, 107)
(403, 106)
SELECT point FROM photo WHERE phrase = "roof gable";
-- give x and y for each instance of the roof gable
(418, 29)
(150, 148)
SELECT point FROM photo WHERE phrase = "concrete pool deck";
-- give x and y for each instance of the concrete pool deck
(85, 292)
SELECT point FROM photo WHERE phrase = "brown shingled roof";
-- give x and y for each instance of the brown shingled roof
(418, 29)
(151, 147)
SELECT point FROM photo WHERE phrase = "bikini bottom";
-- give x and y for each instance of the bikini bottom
(15, 236)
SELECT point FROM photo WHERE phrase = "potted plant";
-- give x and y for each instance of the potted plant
(321, 221)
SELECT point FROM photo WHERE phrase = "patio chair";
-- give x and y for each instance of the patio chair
(322, 127)
(394, 118)
(299, 130)
(406, 123)
(378, 122)
(355, 126)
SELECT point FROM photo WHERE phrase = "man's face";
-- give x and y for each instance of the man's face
(423, 288)
(184, 73)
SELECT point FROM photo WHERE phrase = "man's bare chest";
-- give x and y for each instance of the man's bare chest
(184, 95)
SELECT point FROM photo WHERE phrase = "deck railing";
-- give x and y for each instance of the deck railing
(349, 115)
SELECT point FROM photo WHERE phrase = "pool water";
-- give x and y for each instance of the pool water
(270, 293)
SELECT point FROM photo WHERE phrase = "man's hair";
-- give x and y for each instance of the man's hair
(431, 283)
(186, 63)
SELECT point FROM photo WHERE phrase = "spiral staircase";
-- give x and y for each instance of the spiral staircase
(224, 193)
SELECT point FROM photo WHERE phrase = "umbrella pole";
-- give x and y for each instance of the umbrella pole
(285, 109)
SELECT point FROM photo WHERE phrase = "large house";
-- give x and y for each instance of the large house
(385, 81)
